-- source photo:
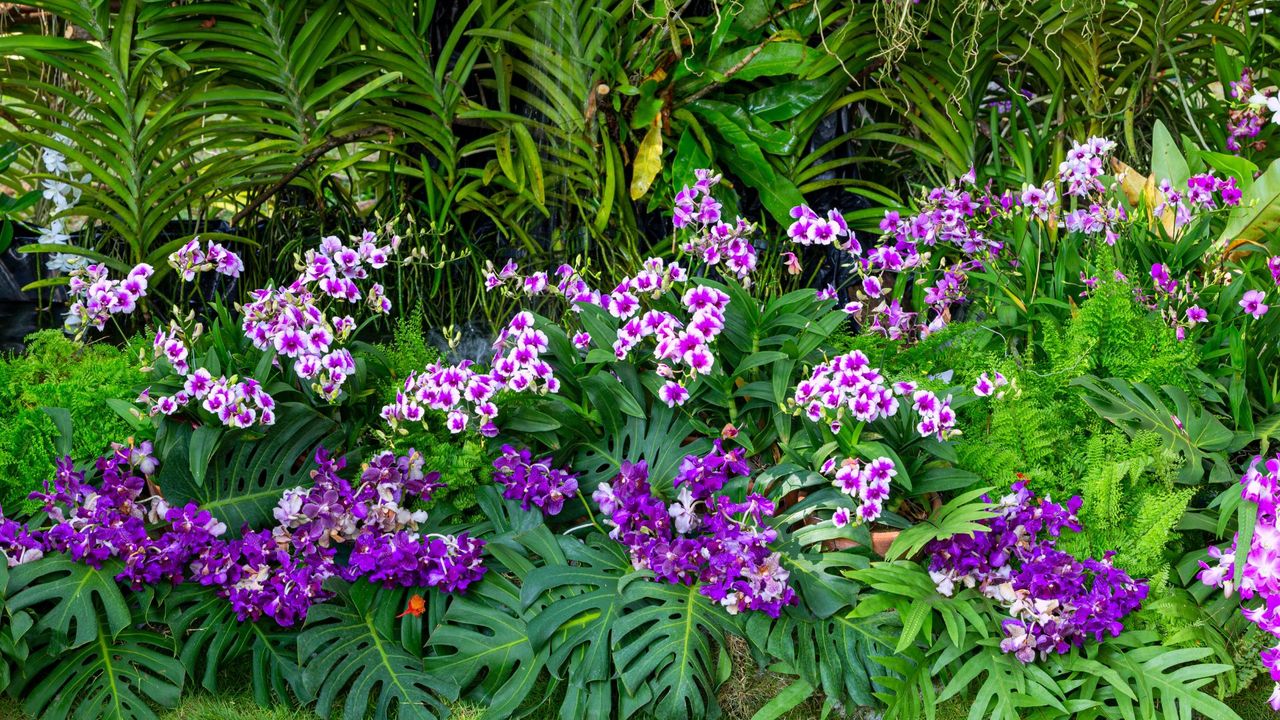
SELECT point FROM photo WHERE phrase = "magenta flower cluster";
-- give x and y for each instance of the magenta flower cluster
(191, 259)
(1204, 192)
(463, 393)
(847, 386)
(1081, 172)
(291, 321)
(276, 572)
(684, 347)
(702, 537)
(1260, 576)
(96, 297)
(288, 321)
(535, 484)
(867, 484)
(1055, 601)
(1246, 118)
(715, 241)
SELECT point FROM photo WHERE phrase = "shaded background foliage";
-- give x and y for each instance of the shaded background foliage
(548, 131)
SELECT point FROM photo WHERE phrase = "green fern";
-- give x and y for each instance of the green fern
(56, 372)
(1114, 336)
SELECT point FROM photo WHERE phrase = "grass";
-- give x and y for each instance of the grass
(235, 707)
(1251, 705)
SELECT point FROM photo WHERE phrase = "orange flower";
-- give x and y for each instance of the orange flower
(417, 606)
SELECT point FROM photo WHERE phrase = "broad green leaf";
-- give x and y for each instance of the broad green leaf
(116, 677)
(482, 645)
(1167, 161)
(246, 476)
(1258, 213)
(349, 647)
(71, 599)
(663, 644)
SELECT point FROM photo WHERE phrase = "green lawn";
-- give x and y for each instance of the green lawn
(1251, 705)
(231, 707)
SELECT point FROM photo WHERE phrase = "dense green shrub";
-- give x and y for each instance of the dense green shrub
(58, 373)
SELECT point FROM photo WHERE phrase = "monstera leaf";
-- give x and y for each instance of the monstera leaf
(582, 605)
(1168, 678)
(834, 653)
(88, 660)
(117, 677)
(74, 602)
(210, 637)
(658, 438)
(1008, 689)
(664, 645)
(349, 647)
(482, 644)
(245, 477)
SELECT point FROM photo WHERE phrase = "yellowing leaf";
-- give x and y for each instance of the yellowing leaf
(1141, 189)
(648, 162)
(1131, 181)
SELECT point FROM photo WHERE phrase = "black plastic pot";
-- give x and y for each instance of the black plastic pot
(19, 269)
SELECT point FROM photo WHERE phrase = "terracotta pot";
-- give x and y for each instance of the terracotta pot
(881, 539)
(880, 542)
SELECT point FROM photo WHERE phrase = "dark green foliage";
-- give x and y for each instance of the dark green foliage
(242, 481)
(56, 372)
(954, 641)
(91, 656)
(1045, 431)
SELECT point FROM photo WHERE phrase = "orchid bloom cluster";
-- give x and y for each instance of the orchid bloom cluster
(386, 541)
(569, 283)
(1204, 192)
(462, 392)
(714, 240)
(236, 403)
(1248, 116)
(1260, 576)
(810, 228)
(703, 537)
(191, 259)
(1083, 167)
(1055, 601)
(276, 572)
(866, 483)
(1178, 302)
(684, 349)
(534, 484)
(290, 321)
(111, 520)
(287, 320)
(1081, 176)
(958, 214)
(847, 385)
(63, 196)
(96, 297)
